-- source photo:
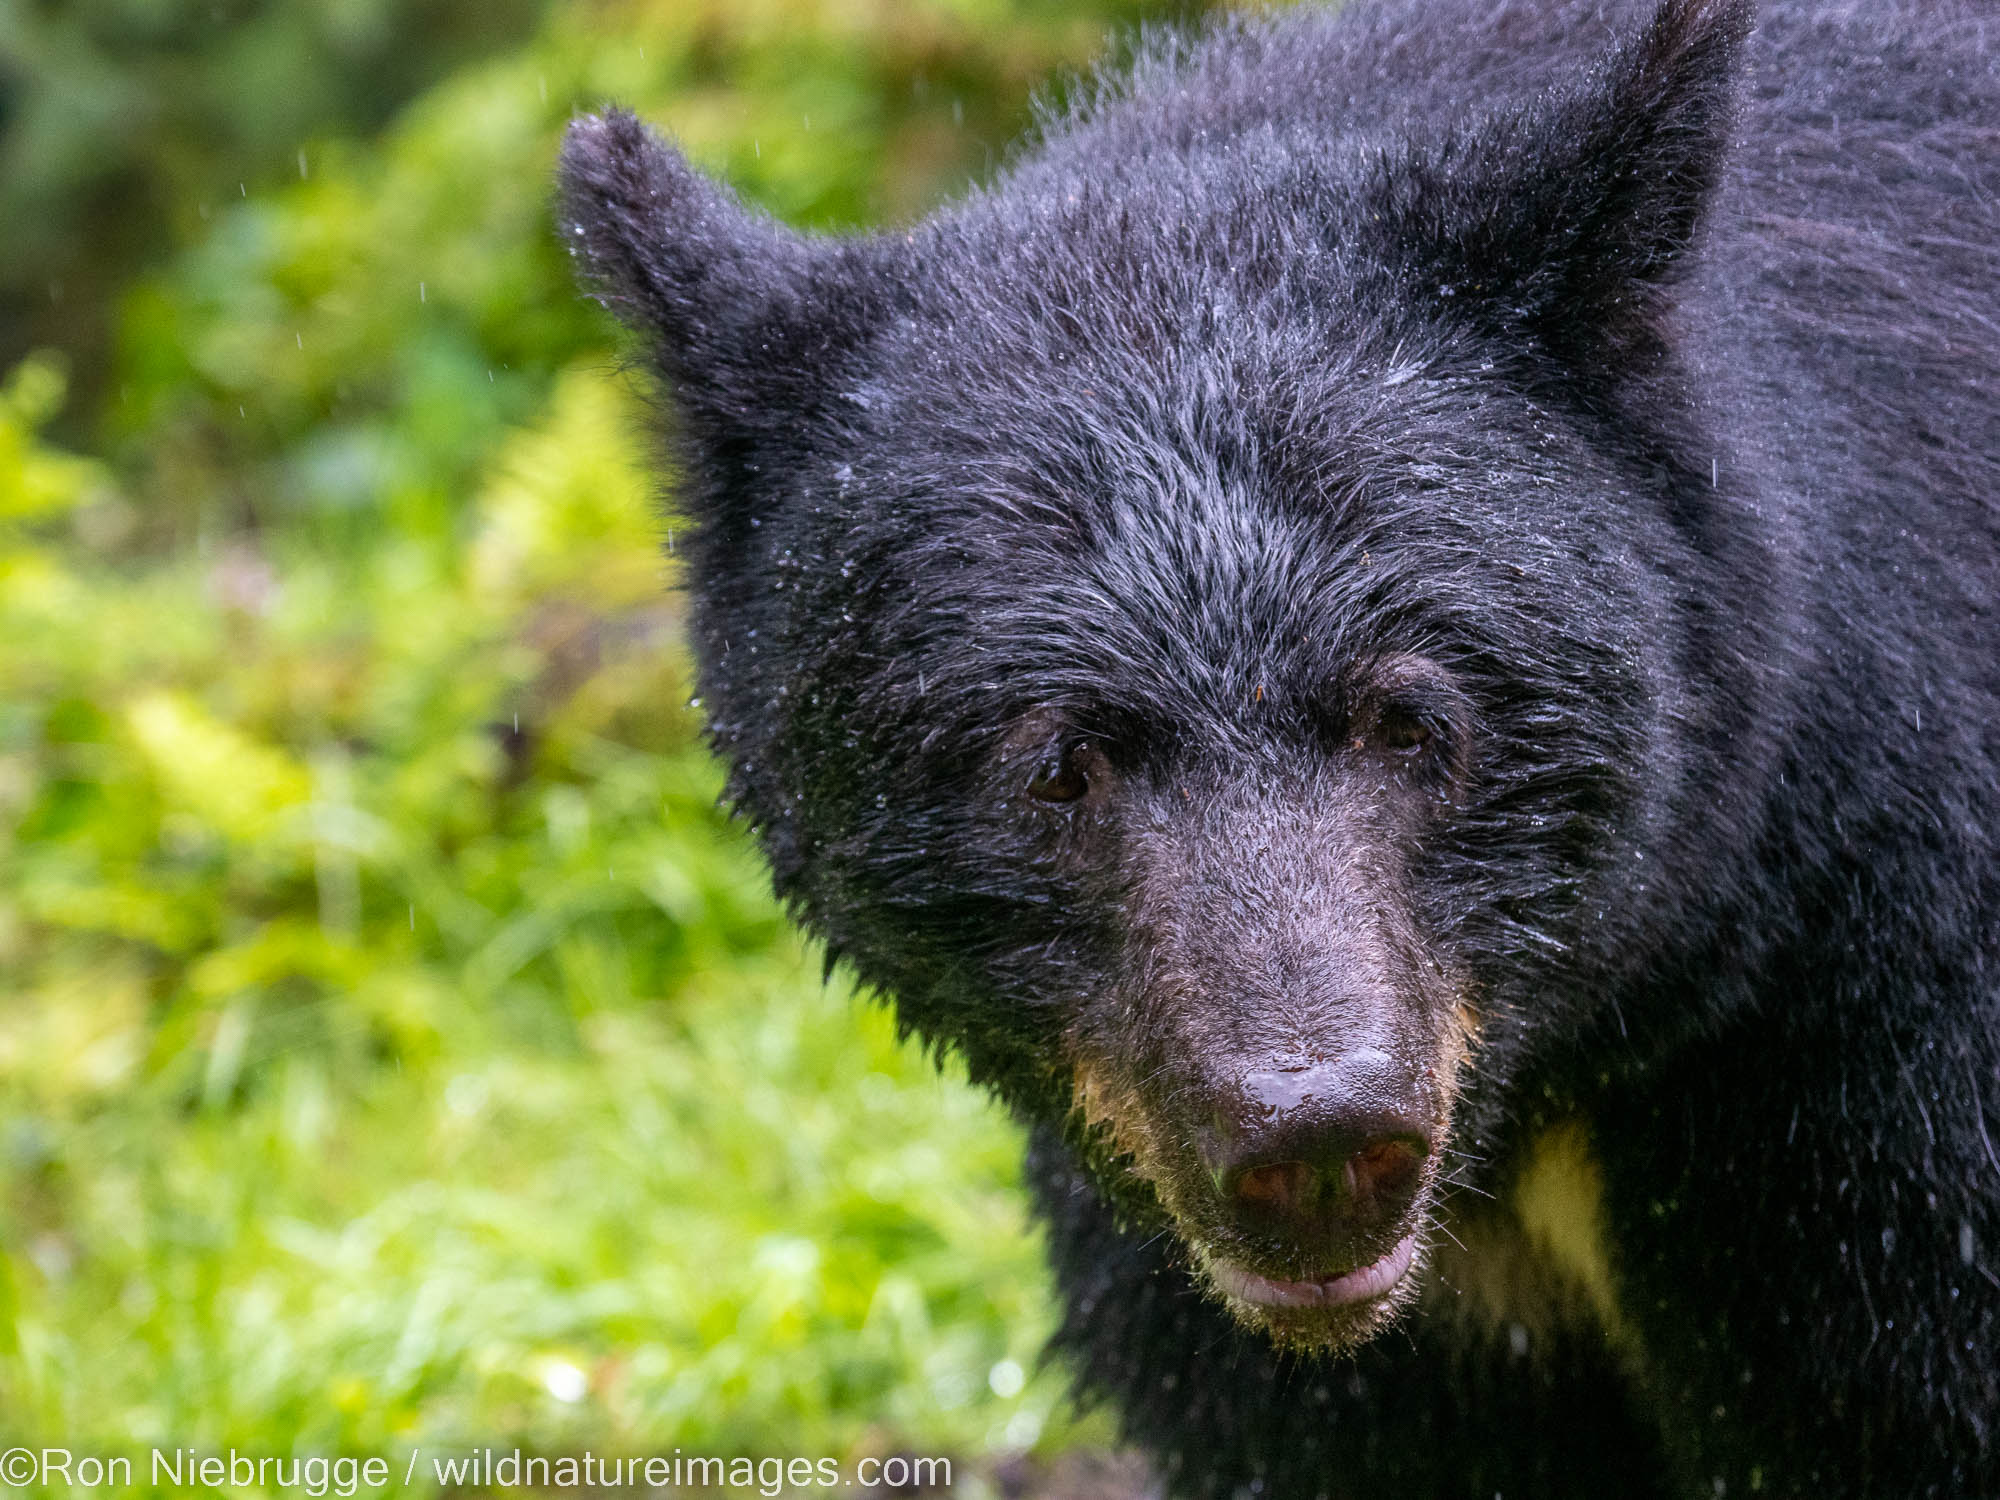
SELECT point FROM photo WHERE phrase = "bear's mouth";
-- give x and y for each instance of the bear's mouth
(1361, 1285)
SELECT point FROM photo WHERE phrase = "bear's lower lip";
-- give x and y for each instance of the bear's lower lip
(1362, 1284)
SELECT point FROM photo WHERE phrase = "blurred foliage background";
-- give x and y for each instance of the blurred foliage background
(397, 1046)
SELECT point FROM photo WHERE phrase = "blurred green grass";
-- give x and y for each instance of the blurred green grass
(397, 1045)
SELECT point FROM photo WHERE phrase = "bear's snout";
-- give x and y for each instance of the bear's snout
(1327, 1157)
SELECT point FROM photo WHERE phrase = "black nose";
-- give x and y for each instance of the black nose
(1322, 1155)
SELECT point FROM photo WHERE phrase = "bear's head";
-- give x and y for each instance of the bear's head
(1194, 622)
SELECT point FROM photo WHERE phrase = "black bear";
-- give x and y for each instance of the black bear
(1394, 634)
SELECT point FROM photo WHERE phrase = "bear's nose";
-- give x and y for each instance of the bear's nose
(1323, 1155)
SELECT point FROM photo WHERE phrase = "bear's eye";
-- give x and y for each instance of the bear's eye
(1064, 776)
(1403, 732)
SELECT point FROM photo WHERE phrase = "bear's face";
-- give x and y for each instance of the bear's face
(1150, 618)
(1187, 764)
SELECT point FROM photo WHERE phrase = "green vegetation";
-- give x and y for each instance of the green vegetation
(397, 1047)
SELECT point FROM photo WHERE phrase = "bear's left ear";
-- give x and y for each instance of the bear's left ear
(741, 314)
(1574, 214)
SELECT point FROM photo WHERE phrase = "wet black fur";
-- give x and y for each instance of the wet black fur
(1642, 370)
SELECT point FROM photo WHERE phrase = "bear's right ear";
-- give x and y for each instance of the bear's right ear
(1574, 215)
(725, 297)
